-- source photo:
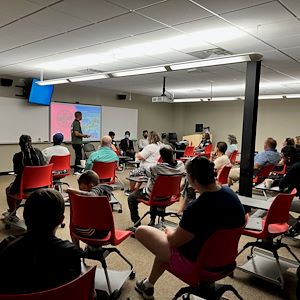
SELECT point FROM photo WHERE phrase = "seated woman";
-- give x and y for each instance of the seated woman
(216, 208)
(232, 141)
(28, 156)
(148, 156)
(204, 142)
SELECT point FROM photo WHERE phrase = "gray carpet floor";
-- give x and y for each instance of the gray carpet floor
(249, 286)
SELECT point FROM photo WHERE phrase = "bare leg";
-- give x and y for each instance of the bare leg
(156, 242)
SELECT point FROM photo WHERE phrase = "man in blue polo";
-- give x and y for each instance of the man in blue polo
(103, 154)
(266, 157)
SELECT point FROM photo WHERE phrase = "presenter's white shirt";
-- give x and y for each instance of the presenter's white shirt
(55, 150)
(150, 154)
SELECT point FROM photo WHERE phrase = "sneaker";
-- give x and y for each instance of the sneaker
(6, 213)
(147, 293)
(13, 219)
(127, 192)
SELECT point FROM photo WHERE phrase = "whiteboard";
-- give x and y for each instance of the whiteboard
(119, 120)
(18, 117)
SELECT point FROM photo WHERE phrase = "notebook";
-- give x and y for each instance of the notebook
(254, 223)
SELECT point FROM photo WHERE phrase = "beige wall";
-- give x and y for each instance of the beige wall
(276, 118)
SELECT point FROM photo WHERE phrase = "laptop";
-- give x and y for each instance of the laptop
(254, 224)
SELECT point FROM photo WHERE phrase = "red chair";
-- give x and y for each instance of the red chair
(107, 175)
(216, 260)
(81, 288)
(189, 151)
(273, 225)
(282, 171)
(233, 156)
(222, 177)
(207, 151)
(96, 213)
(165, 192)
(61, 168)
(262, 174)
(33, 178)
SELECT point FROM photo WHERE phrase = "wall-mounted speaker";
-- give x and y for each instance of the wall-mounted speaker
(6, 82)
(121, 96)
(198, 127)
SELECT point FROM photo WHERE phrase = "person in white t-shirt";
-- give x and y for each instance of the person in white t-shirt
(147, 157)
(144, 141)
(221, 159)
(56, 149)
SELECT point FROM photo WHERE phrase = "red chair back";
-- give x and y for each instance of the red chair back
(60, 164)
(34, 177)
(232, 156)
(278, 214)
(105, 171)
(189, 151)
(263, 173)
(208, 148)
(222, 177)
(160, 160)
(282, 172)
(81, 288)
(216, 258)
(166, 190)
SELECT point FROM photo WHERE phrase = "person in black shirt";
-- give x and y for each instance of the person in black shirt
(28, 156)
(216, 208)
(126, 145)
(38, 260)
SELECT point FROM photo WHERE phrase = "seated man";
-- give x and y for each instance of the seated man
(180, 247)
(103, 154)
(88, 183)
(221, 159)
(126, 145)
(169, 167)
(57, 149)
(266, 157)
(144, 141)
(38, 260)
(113, 142)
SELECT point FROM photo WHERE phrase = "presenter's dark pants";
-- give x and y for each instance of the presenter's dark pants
(78, 155)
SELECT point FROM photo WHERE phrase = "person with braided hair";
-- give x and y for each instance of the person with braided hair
(28, 156)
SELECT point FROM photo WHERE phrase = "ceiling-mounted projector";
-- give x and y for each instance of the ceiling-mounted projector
(162, 99)
(165, 96)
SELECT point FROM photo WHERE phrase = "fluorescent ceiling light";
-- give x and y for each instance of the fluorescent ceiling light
(232, 59)
(88, 77)
(139, 71)
(53, 81)
(184, 100)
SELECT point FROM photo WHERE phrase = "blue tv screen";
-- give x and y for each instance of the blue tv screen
(40, 94)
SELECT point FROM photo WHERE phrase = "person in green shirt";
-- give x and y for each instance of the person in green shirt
(103, 154)
(77, 136)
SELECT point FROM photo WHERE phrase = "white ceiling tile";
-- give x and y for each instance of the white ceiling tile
(251, 18)
(93, 10)
(13, 10)
(220, 7)
(293, 5)
(295, 51)
(135, 4)
(175, 11)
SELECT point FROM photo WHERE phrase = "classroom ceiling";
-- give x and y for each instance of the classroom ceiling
(74, 37)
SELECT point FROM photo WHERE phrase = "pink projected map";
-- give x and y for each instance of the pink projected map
(62, 116)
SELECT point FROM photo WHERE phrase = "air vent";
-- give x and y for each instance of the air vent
(214, 52)
(89, 71)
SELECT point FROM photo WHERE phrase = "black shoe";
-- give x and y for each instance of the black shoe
(151, 223)
(127, 192)
(147, 293)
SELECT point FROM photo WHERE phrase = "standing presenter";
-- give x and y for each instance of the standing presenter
(77, 137)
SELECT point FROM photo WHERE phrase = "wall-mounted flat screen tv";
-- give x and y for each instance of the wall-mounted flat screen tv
(40, 94)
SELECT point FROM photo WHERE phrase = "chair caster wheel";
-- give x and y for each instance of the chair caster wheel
(7, 226)
(186, 297)
(63, 225)
(120, 211)
(132, 275)
(122, 189)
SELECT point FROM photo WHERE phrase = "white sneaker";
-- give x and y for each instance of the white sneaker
(6, 213)
(13, 219)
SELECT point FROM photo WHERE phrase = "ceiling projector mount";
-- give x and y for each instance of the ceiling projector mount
(166, 96)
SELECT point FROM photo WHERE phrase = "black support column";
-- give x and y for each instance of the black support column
(249, 127)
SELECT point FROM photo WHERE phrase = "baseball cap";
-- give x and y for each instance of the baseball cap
(58, 137)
